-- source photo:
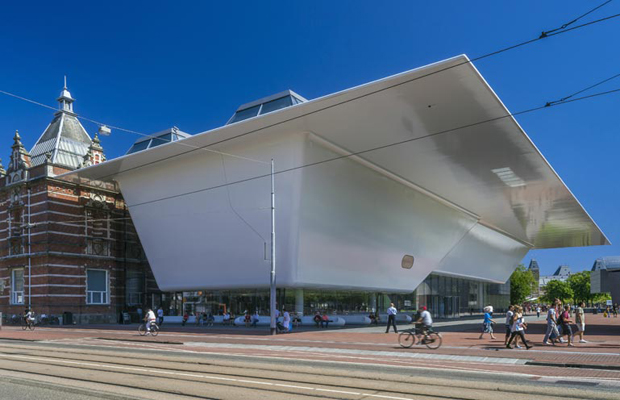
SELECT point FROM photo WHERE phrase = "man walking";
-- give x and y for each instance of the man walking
(580, 321)
(391, 318)
(160, 316)
(552, 330)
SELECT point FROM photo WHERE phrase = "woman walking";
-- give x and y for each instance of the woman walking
(518, 328)
(565, 321)
(487, 325)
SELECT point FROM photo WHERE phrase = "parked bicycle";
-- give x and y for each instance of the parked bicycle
(415, 336)
(154, 329)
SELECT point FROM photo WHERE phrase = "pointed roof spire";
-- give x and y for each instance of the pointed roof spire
(65, 99)
(20, 158)
(17, 141)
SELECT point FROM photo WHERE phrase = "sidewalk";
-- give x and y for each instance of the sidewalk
(460, 342)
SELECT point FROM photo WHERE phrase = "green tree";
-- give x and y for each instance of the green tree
(558, 290)
(580, 285)
(521, 285)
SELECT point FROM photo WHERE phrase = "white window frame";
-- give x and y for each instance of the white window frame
(105, 296)
(15, 294)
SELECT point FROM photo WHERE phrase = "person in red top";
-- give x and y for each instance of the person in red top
(565, 321)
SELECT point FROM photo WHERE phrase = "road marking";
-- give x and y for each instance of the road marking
(201, 376)
(337, 352)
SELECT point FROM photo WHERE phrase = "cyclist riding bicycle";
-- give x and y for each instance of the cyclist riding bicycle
(149, 319)
(426, 321)
(29, 316)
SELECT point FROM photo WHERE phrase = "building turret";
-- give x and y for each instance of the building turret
(64, 138)
(95, 153)
(20, 161)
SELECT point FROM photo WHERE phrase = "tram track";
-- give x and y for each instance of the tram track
(199, 377)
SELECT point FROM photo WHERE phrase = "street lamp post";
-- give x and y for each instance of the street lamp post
(272, 279)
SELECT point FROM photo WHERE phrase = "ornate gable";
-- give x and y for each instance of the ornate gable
(20, 161)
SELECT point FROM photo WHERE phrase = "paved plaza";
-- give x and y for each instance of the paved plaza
(599, 359)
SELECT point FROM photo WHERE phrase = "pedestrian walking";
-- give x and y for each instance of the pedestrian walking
(487, 324)
(508, 323)
(518, 328)
(552, 330)
(565, 321)
(537, 311)
(160, 316)
(391, 311)
(580, 321)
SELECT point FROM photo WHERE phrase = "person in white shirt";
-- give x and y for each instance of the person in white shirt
(580, 320)
(426, 320)
(391, 311)
(29, 316)
(518, 327)
(150, 319)
(286, 322)
(255, 319)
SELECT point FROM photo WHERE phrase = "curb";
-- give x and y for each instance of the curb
(572, 365)
(20, 339)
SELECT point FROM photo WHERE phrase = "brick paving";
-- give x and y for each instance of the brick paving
(461, 347)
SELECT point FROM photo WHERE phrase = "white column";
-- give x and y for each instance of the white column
(299, 302)
(373, 302)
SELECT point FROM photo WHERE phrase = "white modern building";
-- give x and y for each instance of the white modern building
(377, 187)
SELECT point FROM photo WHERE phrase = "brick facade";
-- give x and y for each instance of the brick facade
(57, 233)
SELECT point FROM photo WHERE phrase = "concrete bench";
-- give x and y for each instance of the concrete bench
(356, 319)
(401, 318)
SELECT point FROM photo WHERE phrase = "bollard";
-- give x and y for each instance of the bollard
(0, 321)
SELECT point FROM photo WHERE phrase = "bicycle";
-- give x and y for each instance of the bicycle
(27, 324)
(415, 336)
(154, 329)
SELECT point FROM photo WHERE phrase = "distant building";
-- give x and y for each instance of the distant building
(560, 274)
(535, 270)
(605, 277)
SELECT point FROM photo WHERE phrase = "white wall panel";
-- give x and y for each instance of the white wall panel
(356, 225)
(484, 253)
(197, 241)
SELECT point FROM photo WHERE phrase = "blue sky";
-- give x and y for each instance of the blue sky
(147, 66)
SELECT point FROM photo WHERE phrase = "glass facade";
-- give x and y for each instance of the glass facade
(445, 297)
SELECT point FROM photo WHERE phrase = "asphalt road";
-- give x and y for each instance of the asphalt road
(30, 370)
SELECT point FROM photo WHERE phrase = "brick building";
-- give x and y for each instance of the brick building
(67, 247)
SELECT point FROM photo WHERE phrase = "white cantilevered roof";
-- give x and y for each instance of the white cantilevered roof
(491, 169)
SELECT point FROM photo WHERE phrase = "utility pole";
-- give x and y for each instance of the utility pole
(29, 256)
(272, 280)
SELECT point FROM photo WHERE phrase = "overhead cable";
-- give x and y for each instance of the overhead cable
(550, 103)
(545, 34)
(194, 148)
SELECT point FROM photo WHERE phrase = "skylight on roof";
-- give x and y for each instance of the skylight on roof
(508, 177)
(266, 105)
